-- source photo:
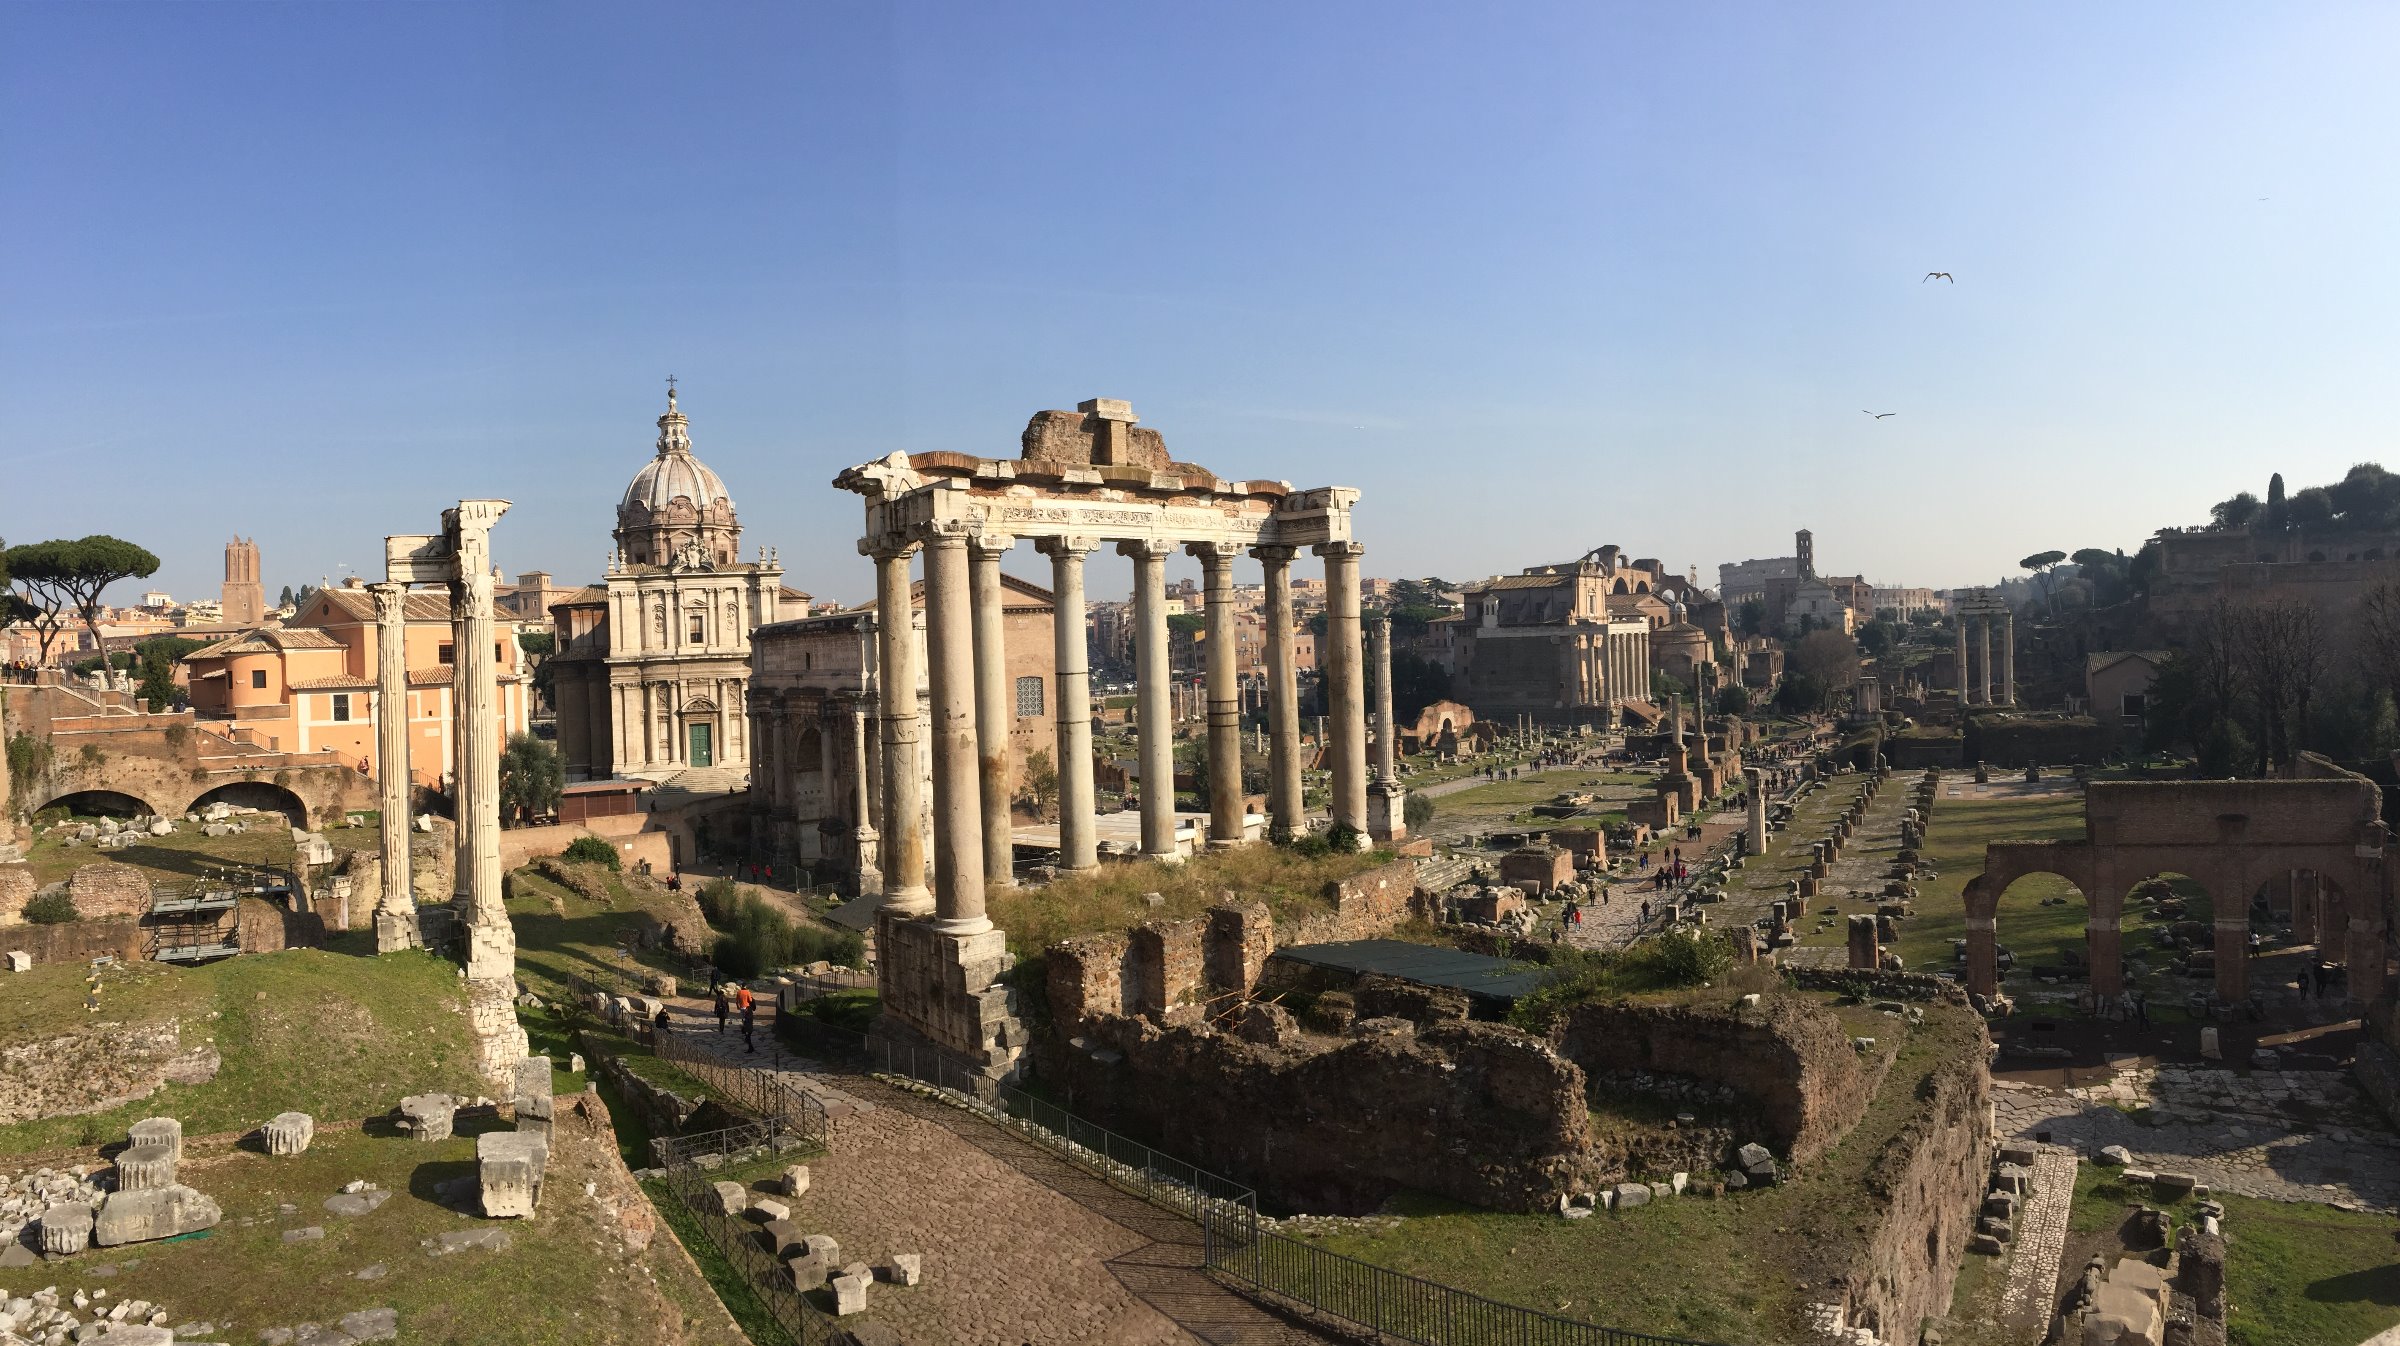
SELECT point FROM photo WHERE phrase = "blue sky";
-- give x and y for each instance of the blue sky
(1535, 278)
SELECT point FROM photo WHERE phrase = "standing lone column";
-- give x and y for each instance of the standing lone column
(475, 683)
(1154, 725)
(1345, 697)
(863, 838)
(1226, 814)
(957, 811)
(994, 705)
(1078, 839)
(1960, 618)
(896, 703)
(1983, 655)
(2008, 658)
(1757, 780)
(1285, 816)
(1386, 802)
(396, 908)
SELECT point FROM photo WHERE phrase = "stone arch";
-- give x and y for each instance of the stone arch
(265, 796)
(2209, 891)
(2004, 863)
(97, 803)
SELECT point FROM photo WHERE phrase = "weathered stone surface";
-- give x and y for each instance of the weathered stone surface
(289, 1133)
(1631, 1194)
(161, 1131)
(66, 1229)
(145, 1168)
(728, 1198)
(2173, 1186)
(767, 1208)
(2116, 1155)
(428, 1116)
(795, 1180)
(509, 1167)
(849, 1295)
(905, 1269)
(459, 1240)
(105, 890)
(157, 1213)
(17, 960)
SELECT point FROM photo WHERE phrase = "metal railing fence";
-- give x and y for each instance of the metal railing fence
(737, 1239)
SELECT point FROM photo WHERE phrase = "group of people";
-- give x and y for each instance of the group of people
(730, 998)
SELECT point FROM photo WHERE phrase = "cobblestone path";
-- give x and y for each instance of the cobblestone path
(2041, 1239)
(1019, 1246)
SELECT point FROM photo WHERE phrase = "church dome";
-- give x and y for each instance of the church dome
(675, 510)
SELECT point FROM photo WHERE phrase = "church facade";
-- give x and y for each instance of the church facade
(652, 670)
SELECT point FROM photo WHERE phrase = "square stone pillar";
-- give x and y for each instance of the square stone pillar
(1078, 835)
(1154, 715)
(1227, 815)
(958, 857)
(2233, 954)
(905, 845)
(995, 706)
(1983, 955)
(1345, 692)
(1960, 618)
(2104, 943)
(396, 907)
(1983, 656)
(1286, 817)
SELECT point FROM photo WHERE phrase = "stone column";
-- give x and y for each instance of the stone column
(2233, 953)
(904, 847)
(1983, 656)
(1227, 814)
(1345, 695)
(958, 856)
(396, 908)
(2008, 658)
(1757, 780)
(1286, 816)
(863, 837)
(1078, 837)
(995, 705)
(1961, 619)
(1386, 801)
(1983, 954)
(2305, 886)
(1153, 713)
(492, 952)
(462, 860)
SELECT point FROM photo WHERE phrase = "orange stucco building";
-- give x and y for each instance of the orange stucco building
(309, 685)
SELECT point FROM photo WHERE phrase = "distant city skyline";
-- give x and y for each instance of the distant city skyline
(1597, 274)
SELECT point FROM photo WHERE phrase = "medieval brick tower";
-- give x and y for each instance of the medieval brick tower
(244, 600)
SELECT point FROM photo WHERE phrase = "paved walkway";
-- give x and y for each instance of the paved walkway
(2280, 1135)
(1019, 1246)
(2041, 1240)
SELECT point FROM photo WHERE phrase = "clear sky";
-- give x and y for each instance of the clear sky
(1535, 278)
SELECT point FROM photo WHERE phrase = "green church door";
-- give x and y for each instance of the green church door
(702, 746)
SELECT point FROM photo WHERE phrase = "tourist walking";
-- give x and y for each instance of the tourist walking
(724, 1007)
(658, 1025)
(749, 1022)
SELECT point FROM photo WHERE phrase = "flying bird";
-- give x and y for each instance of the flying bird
(1878, 415)
(1943, 274)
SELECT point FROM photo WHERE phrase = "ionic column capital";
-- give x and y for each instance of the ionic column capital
(1213, 555)
(1274, 555)
(888, 547)
(943, 534)
(1057, 548)
(1347, 551)
(990, 546)
(1146, 549)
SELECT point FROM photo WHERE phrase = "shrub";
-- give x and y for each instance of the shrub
(1417, 812)
(759, 938)
(1661, 963)
(50, 909)
(720, 901)
(592, 851)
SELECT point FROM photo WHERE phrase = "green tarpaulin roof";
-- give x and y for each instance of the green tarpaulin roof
(1478, 975)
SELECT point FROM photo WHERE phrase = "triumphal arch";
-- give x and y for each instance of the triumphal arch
(1084, 479)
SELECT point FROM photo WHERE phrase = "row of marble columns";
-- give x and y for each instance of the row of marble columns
(971, 709)
(1612, 666)
(1969, 691)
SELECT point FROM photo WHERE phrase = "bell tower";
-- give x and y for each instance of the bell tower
(243, 599)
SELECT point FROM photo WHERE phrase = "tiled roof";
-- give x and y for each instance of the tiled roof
(360, 604)
(344, 682)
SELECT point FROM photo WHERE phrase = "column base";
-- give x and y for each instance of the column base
(942, 990)
(396, 930)
(908, 902)
(1387, 810)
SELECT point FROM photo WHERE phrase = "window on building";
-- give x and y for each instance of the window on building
(444, 655)
(258, 677)
(697, 619)
(1029, 696)
(2135, 705)
(341, 707)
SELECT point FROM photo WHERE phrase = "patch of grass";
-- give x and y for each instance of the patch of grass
(565, 1278)
(177, 858)
(2296, 1273)
(1110, 898)
(1738, 1268)
(1955, 846)
(306, 1030)
(562, 933)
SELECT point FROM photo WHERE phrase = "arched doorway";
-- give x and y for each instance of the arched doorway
(96, 804)
(265, 796)
(2044, 939)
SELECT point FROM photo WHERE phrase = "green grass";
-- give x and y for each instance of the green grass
(731, 1289)
(1111, 897)
(1504, 803)
(562, 934)
(1738, 1268)
(1955, 847)
(329, 1033)
(565, 1279)
(2296, 1274)
(176, 858)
